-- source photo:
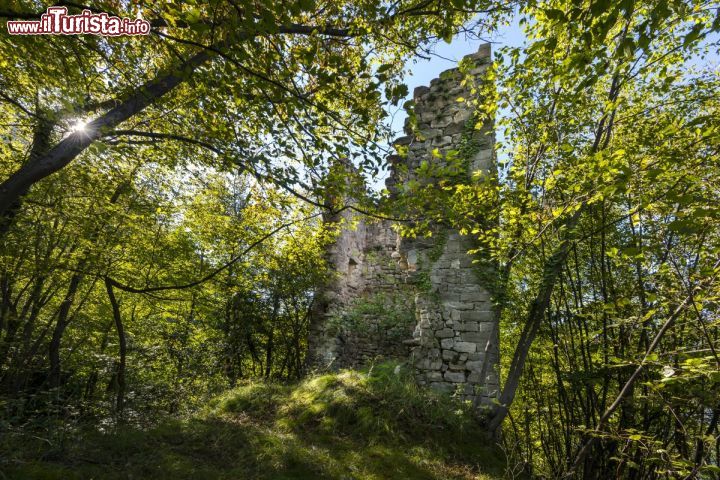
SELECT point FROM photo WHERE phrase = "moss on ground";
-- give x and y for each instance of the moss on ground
(351, 425)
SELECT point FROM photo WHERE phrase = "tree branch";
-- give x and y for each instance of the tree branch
(164, 136)
(633, 378)
(212, 274)
(66, 150)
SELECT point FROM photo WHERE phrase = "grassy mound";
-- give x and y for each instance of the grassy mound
(351, 425)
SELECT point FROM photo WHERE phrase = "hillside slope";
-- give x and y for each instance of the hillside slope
(352, 425)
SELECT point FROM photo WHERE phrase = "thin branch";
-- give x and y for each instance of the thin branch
(633, 378)
(164, 136)
(12, 101)
(215, 272)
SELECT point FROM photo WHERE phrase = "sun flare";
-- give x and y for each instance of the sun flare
(79, 126)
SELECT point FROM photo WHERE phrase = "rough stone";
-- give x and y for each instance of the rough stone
(428, 303)
(476, 316)
(474, 377)
(445, 333)
(474, 365)
(468, 327)
(460, 305)
(442, 387)
(462, 116)
(434, 377)
(406, 140)
(449, 355)
(455, 377)
(467, 347)
(420, 91)
(474, 337)
(454, 128)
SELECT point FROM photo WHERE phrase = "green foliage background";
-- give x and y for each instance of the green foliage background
(151, 261)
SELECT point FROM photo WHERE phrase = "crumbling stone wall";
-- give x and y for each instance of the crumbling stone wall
(423, 299)
(366, 309)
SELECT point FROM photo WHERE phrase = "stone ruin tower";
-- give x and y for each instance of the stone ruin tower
(419, 299)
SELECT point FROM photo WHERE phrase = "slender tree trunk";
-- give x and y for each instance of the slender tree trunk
(62, 323)
(627, 388)
(40, 145)
(551, 272)
(64, 312)
(271, 337)
(120, 399)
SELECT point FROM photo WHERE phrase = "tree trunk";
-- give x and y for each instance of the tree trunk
(40, 145)
(551, 272)
(60, 326)
(120, 399)
(14, 188)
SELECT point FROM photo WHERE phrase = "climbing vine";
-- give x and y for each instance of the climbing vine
(432, 255)
(387, 314)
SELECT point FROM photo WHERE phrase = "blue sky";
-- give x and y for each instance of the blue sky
(422, 71)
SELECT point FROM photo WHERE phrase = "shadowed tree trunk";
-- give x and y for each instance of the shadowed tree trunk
(551, 272)
(49, 160)
(62, 323)
(120, 374)
(10, 206)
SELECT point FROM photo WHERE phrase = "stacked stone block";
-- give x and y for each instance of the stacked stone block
(363, 261)
(453, 344)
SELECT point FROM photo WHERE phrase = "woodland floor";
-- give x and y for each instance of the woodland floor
(353, 425)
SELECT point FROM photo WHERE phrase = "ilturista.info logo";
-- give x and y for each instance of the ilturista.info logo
(56, 21)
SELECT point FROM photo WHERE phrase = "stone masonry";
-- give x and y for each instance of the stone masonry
(423, 299)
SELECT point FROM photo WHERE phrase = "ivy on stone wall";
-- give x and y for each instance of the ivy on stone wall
(431, 255)
(385, 314)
